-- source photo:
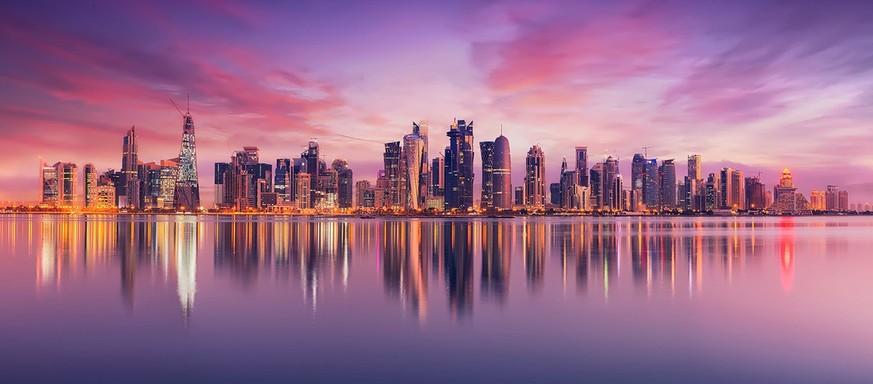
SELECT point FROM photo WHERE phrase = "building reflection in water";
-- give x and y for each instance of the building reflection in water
(534, 235)
(497, 240)
(404, 254)
(786, 252)
(458, 266)
(315, 251)
(660, 257)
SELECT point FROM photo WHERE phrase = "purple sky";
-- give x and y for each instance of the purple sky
(756, 85)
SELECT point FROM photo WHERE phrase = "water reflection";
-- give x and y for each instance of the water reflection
(654, 257)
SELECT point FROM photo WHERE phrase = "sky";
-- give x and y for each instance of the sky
(755, 85)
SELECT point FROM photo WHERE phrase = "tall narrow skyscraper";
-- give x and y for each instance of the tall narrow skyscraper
(502, 174)
(187, 194)
(535, 178)
(459, 166)
(415, 158)
(129, 192)
(487, 148)
(582, 165)
(651, 184)
(694, 166)
(90, 185)
(667, 176)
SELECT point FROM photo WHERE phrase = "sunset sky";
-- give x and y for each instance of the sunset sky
(756, 85)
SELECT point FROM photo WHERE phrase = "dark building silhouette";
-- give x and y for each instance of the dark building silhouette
(459, 166)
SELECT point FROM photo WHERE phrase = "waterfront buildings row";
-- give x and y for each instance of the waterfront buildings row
(300, 184)
(170, 184)
(411, 181)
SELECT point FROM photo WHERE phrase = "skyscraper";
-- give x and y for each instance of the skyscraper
(345, 183)
(48, 180)
(535, 178)
(415, 158)
(391, 166)
(437, 176)
(459, 166)
(785, 194)
(502, 174)
(487, 150)
(89, 192)
(694, 167)
(282, 184)
(582, 165)
(651, 184)
(187, 194)
(67, 184)
(638, 175)
(667, 174)
(595, 180)
(312, 161)
(611, 200)
(129, 192)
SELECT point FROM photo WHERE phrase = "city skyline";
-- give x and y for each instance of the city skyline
(677, 77)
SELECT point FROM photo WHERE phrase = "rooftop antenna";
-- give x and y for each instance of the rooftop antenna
(646, 152)
(188, 108)
(177, 108)
(501, 129)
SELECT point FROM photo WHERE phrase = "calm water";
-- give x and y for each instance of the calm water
(167, 299)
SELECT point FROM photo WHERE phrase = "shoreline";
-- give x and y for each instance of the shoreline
(418, 216)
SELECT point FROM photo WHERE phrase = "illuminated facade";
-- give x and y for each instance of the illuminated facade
(502, 174)
(187, 189)
(459, 159)
(129, 189)
(415, 158)
(535, 178)
(487, 151)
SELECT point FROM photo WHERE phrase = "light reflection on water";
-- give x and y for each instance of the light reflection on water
(519, 299)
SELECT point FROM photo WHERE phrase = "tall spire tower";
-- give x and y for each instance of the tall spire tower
(187, 194)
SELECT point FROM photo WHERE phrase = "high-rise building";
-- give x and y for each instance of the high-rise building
(785, 194)
(393, 175)
(595, 180)
(738, 191)
(90, 177)
(415, 159)
(611, 199)
(168, 177)
(437, 176)
(311, 158)
(128, 194)
(712, 196)
(694, 167)
(638, 176)
(459, 166)
(282, 184)
(535, 178)
(519, 196)
(48, 181)
(817, 200)
(582, 165)
(303, 193)
(221, 170)
(487, 151)
(651, 184)
(756, 194)
(67, 184)
(365, 194)
(345, 183)
(502, 174)
(844, 200)
(187, 189)
(667, 188)
(726, 189)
